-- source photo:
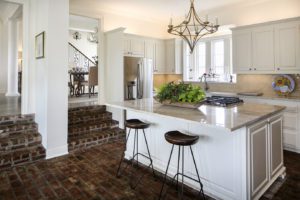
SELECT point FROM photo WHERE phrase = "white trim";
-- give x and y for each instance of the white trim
(56, 152)
(12, 94)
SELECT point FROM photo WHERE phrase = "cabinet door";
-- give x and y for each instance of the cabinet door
(137, 46)
(178, 56)
(287, 45)
(258, 143)
(160, 57)
(170, 56)
(263, 48)
(126, 45)
(242, 51)
(276, 150)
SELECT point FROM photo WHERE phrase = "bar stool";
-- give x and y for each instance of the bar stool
(136, 125)
(181, 140)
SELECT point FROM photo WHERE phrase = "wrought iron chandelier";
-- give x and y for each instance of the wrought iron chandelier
(193, 28)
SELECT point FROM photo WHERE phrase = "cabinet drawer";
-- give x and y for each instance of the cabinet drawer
(290, 120)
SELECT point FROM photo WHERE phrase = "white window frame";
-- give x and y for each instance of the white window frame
(191, 77)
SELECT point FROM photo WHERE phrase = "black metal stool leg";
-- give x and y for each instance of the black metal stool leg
(165, 176)
(137, 148)
(123, 154)
(182, 173)
(201, 185)
(178, 162)
(149, 153)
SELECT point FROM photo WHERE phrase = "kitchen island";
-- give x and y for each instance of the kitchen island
(239, 153)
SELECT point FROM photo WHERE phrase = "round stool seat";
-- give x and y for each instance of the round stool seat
(178, 138)
(136, 124)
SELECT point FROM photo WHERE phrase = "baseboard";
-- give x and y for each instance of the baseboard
(292, 149)
(12, 94)
(56, 152)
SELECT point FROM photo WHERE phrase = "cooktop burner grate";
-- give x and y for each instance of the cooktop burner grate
(223, 101)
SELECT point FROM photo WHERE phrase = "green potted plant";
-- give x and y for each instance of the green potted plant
(181, 94)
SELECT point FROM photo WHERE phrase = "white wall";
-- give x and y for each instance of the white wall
(86, 47)
(132, 25)
(4, 57)
(47, 88)
(254, 12)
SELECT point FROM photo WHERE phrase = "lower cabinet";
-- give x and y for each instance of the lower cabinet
(265, 153)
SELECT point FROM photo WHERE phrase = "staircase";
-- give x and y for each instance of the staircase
(92, 125)
(20, 142)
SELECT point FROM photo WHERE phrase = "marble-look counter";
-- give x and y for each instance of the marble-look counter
(230, 118)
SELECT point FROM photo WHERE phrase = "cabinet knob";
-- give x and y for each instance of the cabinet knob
(250, 69)
(254, 68)
(278, 68)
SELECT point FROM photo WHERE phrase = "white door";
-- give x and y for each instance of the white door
(263, 48)
(159, 57)
(287, 45)
(137, 46)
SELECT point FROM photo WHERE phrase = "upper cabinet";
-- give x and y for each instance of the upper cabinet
(269, 48)
(134, 46)
(174, 56)
(287, 46)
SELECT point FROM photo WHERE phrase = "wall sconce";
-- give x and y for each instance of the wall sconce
(77, 35)
(20, 60)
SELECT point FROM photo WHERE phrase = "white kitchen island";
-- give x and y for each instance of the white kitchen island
(239, 153)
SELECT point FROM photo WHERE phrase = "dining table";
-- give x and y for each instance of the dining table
(78, 77)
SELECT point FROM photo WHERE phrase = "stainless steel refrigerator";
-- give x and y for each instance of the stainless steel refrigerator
(138, 78)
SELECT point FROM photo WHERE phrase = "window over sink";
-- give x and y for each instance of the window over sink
(212, 56)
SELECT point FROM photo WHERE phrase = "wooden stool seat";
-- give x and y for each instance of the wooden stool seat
(178, 138)
(136, 124)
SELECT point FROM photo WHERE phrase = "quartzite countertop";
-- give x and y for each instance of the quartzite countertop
(231, 118)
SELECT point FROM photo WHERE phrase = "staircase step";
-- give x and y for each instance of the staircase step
(79, 129)
(21, 156)
(13, 142)
(15, 119)
(95, 138)
(87, 109)
(18, 128)
(95, 117)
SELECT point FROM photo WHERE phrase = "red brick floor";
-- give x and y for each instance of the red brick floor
(88, 174)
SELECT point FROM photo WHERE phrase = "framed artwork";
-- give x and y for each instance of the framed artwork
(40, 45)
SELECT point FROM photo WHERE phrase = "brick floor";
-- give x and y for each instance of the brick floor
(90, 174)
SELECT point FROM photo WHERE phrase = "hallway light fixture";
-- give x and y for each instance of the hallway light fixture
(193, 28)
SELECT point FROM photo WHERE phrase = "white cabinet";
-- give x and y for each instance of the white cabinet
(160, 61)
(242, 51)
(134, 46)
(287, 46)
(268, 48)
(266, 153)
(291, 120)
(263, 48)
(258, 143)
(174, 56)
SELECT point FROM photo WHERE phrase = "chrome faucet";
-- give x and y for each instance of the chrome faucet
(210, 74)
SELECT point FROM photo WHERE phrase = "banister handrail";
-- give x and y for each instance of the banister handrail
(82, 53)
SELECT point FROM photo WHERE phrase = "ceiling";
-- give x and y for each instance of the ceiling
(151, 10)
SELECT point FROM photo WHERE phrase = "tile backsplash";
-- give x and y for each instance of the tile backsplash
(245, 83)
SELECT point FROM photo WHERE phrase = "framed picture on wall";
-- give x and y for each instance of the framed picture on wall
(40, 46)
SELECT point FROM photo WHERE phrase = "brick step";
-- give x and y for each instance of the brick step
(95, 138)
(96, 117)
(13, 142)
(87, 109)
(15, 119)
(12, 129)
(79, 129)
(21, 156)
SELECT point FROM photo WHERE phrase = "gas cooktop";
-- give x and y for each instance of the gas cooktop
(223, 101)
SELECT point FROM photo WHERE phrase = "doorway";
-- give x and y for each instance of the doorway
(83, 60)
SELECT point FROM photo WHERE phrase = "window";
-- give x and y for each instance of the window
(212, 56)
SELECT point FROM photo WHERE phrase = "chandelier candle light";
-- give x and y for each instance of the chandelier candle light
(193, 28)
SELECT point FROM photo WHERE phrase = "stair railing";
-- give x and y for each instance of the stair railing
(78, 59)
